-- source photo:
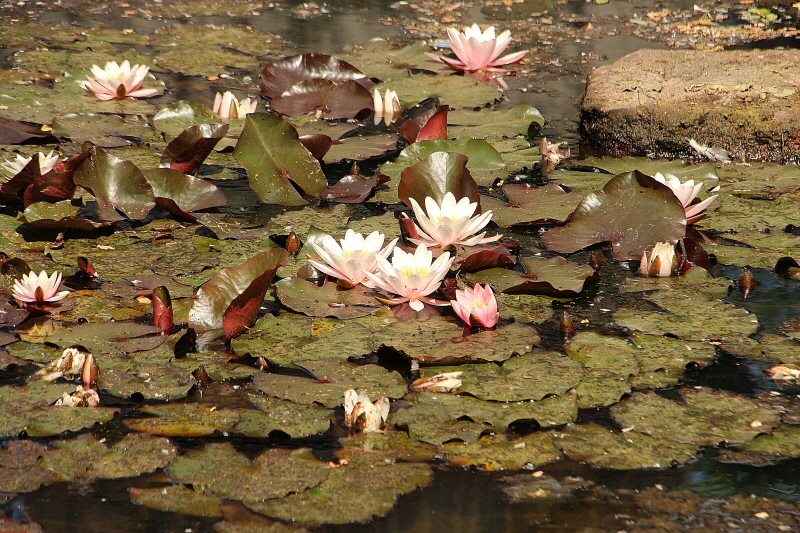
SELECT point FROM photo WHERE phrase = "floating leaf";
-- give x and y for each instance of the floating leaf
(430, 125)
(59, 215)
(275, 159)
(555, 276)
(279, 415)
(632, 212)
(151, 381)
(329, 300)
(704, 417)
(273, 474)
(354, 188)
(176, 499)
(109, 337)
(280, 75)
(102, 130)
(435, 176)
(180, 194)
(222, 294)
(117, 185)
(549, 204)
(174, 118)
(183, 420)
(17, 132)
(496, 452)
(188, 150)
(58, 183)
(480, 153)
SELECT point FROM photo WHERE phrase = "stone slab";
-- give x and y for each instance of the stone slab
(650, 102)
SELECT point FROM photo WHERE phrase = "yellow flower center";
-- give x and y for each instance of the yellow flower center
(410, 271)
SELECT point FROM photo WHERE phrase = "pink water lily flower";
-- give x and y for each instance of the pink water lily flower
(352, 257)
(227, 106)
(412, 276)
(450, 223)
(477, 307)
(686, 192)
(478, 50)
(661, 262)
(118, 81)
(38, 289)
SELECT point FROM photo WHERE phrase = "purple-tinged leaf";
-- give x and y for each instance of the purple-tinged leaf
(344, 99)
(279, 76)
(181, 194)
(58, 184)
(474, 258)
(633, 211)
(430, 125)
(188, 150)
(435, 176)
(354, 188)
(317, 143)
(545, 205)
(17, 132)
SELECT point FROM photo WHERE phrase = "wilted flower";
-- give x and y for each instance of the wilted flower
(686, 192)
(38, 289)
(447, 382)
(226, 105)
(450, 223)
(69, 364)
(362, 415)
(478, 50)
(551, 156)
(412, 276)
(352, 257)
(118, 81)
(477, 306)
(85, 395)
(15, 166)
(387, 109)
(660, 263)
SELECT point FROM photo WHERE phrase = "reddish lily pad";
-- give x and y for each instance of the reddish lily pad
(633, 211)
(481, 257)
(703, 417)
(117, 185)
(58, 183)
(328, 300)
(275, 473)
(549, 204)
(183, 420)
(435, 176)
(17, 132)
(188, 150)
(430, 125)
(276, 160)
(354, 188)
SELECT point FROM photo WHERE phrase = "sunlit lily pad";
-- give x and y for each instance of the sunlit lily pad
(530, 377)
(106, 131)
(393, 445)
(784, 441)
(453, 90)
(375, 486)
(555, 275)
(183, 420)
(333, 379)
(109, 337)
(173, 119)
(59, 215)
(328, 300)
(177, 499)
(151, 381)
(590, 443)
(632, 212)
(273, 474)
(498, 453)
(274, 414)
(492, 122)
(689, 318)
(549, 204)
(705, 417)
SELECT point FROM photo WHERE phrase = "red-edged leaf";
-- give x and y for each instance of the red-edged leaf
(317, 143)
(427, 126)
(162, 310)
(354, 189)
(188, 150)
(13, 190)
(58, 184)
(279, 76)
(17, 132)
(633, 211)
(435, 176)
(482, 257)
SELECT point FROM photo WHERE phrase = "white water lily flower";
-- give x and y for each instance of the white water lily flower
(412, 276)
(15, 166)
(387, 108)
(352, 257)
(686, 192)
(118, 81)
(450, 223)
(226, 105)
(660, 263)
(447, 382)
(360, 414)
(38, 289)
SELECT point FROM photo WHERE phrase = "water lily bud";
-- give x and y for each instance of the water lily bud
(361, 415)
(201, 375)
(447, 382)
(746, 282)
(293, 244)
(86, 268)
(661, 262)
(91, 370)
(594, 260)
(566, 325)
(162, 310)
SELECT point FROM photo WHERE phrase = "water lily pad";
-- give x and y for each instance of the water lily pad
(329, 300)
(183, 420)
(689, 318)
(333, 379)
(495, 452)
(435, 176)
(176, 499)
(705, 417)
(555, 275)
(662, 360)
(326, 220)
(480, 153)
(375, 486)
(359, 148)
(390, 444)
(273, 474)
(109, 337)
(59, 215)
(173, 119)
(784, 442)
(487, 122)
(455, 91)
(19, 467)
(274, 414)
(186, 152)
(86, 457)
(549, 204)
(530, 377)
(106, 131)
(590, 443)
(180, 194)
(632, 212)
(276, 161)
(155, 381)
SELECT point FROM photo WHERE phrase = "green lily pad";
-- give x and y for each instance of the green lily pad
(176, 499)
(455, 91)
(590, 443)
(689, 317)
(495, 452)
(706, 417)
(20, 467)
(274, 414)
(275, 473)
(155, 381)
(530, 377)
(183, 420)
(439, 340)
(784, 441)
(549, 204)
(328, 220)
(333, 379)
(392, 445)
(173, 119)
(328, 300)
(523, 307)
(493, 123)
(109, 337)
(106, 131)
(374, 485)
(481, 154)
(57, 215)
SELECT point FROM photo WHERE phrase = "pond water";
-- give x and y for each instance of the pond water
(720, 488)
